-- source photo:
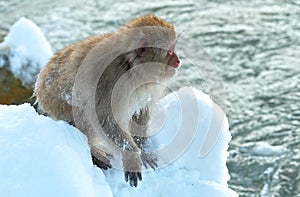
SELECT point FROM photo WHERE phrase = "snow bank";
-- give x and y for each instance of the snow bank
(188, 174)
(28, 50)
(43, 157)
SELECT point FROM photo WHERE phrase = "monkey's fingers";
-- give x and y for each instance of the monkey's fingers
(100, 158)
(101, 164)
(145, 164)
(153, 164)
(149, 159)
(133, 178)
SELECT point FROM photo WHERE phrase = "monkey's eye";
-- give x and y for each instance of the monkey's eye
(140, 51)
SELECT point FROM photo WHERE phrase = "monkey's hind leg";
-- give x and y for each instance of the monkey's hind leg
(100, 158)
(138, 128)
(149, 159)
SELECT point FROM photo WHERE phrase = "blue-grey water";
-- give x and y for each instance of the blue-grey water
(256, 46)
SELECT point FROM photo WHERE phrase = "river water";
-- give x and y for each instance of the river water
(256, 46)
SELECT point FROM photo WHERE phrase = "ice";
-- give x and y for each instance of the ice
(29, 50)
(43, 157)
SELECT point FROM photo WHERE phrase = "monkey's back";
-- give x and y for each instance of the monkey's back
(53, 88)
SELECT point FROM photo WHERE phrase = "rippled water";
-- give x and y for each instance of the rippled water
(256, 45)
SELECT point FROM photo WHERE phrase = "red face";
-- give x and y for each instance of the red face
(147, 53)
(174, 60)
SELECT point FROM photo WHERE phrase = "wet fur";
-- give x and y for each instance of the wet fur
(54, 90)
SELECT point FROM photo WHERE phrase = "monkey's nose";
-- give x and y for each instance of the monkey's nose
(174, 59)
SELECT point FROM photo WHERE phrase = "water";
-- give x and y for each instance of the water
(256, 45)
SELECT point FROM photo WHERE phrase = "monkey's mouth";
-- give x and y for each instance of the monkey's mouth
(170, 71)
(173, 64)
(170, 68)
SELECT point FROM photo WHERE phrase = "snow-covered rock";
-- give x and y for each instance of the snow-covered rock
(43, 157)
(27, 49)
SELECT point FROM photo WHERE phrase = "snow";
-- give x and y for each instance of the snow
(29, 50)
(43, 157)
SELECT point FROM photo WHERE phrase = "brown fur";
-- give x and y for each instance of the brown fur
(56, 81)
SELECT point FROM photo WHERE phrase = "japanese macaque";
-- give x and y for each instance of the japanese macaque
(104, 85)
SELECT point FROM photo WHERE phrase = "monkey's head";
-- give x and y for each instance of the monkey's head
(153, 42)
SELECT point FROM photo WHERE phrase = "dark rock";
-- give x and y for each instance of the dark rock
(11, 89)
(3, 33)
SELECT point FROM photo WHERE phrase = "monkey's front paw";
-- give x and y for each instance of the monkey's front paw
(100, 158)
(149, 159)
(133, 178)
(103, 163)
(132, 165)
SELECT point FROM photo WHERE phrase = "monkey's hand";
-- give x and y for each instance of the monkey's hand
(149, 159)
(133, 178)
(100, 158)
(132, 165)
(101, 163)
